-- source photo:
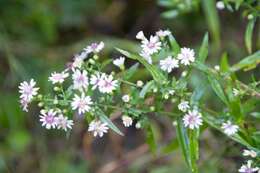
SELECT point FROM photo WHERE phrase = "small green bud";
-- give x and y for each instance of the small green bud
(138, 125)
(166, 96)
(40, 104)
(39, 96)
(56, 88)
(139, 83)
(155, 90)
(95, 57)
(55, 101)
(250, 17)
(92, 61)
(65, 111)
(152, 108)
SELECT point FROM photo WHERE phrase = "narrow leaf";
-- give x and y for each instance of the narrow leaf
(148, 86)
(174, 45)
(130, 72)
(203, 52)
(150, 139)
(249, 34)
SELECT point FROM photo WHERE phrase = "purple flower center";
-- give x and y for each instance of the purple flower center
(151, 45)
(94, 45)
(49, 119)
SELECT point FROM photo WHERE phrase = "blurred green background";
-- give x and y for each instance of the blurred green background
(40, 36)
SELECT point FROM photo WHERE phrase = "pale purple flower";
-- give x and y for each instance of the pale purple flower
(96, 79)
(192, 119)
(98, 128)
(229, 128)
(183, 106)
(82, 103)
(186, 56)
(64, 123)
(140, 35)
(151, 46)
(95, 47)
(146, 56)
(80, 79)
(28, 90)
(250, 153)
(24, 103)
(107, 84)
(248, 168)
(163, 33)
(126, 98)
(169, 64)
(58, 77)
(48, 119)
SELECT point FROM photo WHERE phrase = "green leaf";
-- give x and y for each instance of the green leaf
(105, 119)
(170, 14)
(157, 74)
(148, 87)
(250, 61)
(203, 52)
(150, 139)
(130, 72)
(194, 149)
(217, 88)
(224, 65)
(183, 141)
(249, 34)
(174, 45)
(209, 7)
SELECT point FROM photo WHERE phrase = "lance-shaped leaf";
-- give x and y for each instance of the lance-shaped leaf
(156, 73)
(203, 52)
(174, 45)
(250, 61)
(148, 87)
(249, 34)
(105, 119)
(130, 72)
(150, 139)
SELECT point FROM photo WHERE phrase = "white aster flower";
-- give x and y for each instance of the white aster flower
(250, 153)
(78, 60)
(95, 47)
(186, 56)
(58, 77)
(248, 168)
(126, 98)
(107, 84)
(140, 35)
(229, 128)
(48, 119)
(183, 106)
(82, 103)
(63, 122)
(24, 103)
(163, 33)
(220, 5)
(168, 64)
(192, 119)
(28, 90)
(80, 79)
(98, 128)
(96, 79)
(119, 62)
(127, 121)
(216, 67)
(151, 46)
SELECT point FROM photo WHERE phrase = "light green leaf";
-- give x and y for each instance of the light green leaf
(150, 139)
(203, 52)
(173, 145)
(170, 14)
(105, 119)
(217, 88)
(148, 87)
(174, 45)
(249, 34)
(130, 72)
(250, 61)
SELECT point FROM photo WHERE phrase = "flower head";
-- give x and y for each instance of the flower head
(127, 121)
(96, 79)
(28, 90)
(48, 119)
(250, 153)
(186, 56)
(140, 35)
(168, 64)
(98, 128)
(183, 106)
(151, 46)
(220, 5)
(126, 98)
(163, 33)
(63, 122)
(229, 128)
(192, 119)
(146, 56)
(24, 103)
(107, 84)
(95, 47)
(119, 62)
(58, 77)
(80, 79)
(82, 103)
(248, 168)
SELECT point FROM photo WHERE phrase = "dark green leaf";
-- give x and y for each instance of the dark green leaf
(203, 52)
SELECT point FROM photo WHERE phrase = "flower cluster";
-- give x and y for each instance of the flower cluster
(250, 166)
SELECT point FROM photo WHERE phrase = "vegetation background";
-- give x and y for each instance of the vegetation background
(38, 37)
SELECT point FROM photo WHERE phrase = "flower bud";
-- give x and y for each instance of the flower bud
(55, 101)
(152, 108)
(40, 104)
(39, 96)
(250, 17)
(139, 83)
(166, 96)
(155, 90)
(92, 61)
(56, 88)
(65, 111)
(138, 125)
(95, 57)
